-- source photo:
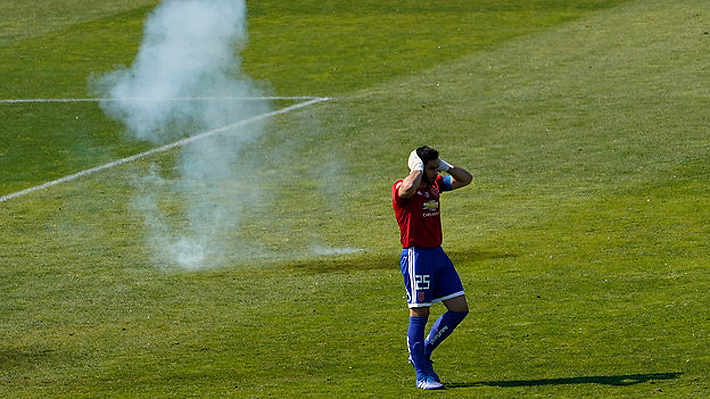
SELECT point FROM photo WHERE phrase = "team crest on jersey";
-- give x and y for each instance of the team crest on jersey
(435, 190)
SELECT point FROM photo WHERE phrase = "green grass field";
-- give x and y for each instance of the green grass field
(582, 244)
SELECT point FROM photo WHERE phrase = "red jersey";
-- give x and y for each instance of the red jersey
(418, 216)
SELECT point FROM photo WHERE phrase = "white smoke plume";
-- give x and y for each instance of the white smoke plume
(188, 52)
(187, 79)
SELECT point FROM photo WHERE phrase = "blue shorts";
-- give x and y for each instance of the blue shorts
(429, 276)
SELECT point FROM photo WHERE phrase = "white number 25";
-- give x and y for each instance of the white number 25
(421, 282)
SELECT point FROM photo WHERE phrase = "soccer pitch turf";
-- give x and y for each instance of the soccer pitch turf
(582, 243)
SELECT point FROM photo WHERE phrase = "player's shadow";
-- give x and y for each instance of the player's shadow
(616, 380)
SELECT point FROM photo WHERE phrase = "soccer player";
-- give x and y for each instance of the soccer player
(429, 275)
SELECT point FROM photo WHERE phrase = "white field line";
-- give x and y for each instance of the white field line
(81, 100)
(313, 100)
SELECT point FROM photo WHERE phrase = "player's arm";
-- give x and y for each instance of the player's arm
(411, 183)
(459, 176)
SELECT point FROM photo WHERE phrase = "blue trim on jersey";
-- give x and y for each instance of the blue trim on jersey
(448, 186)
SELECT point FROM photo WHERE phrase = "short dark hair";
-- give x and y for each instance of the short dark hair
(426, 154)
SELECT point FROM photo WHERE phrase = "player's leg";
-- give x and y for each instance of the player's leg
(457, 309)
(426, 377)
(422, 312)
(415, 270)
(456, 304)
(450, 291)
(418, 318)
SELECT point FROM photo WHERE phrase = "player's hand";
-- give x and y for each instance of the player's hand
(444, 166)
(414, 162)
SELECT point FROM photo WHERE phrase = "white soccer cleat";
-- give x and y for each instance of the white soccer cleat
(428, 382)
(431, 368)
